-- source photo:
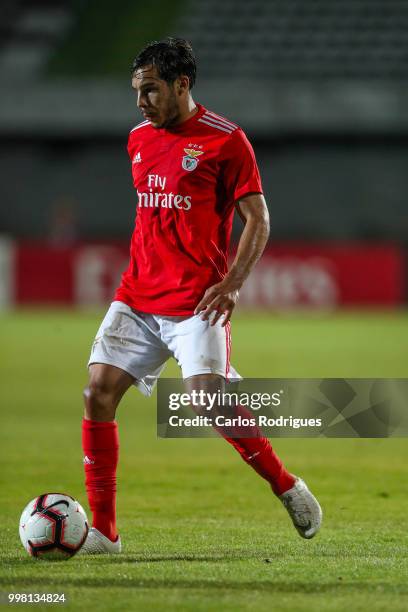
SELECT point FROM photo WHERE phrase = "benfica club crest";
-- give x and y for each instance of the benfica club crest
(190, 161)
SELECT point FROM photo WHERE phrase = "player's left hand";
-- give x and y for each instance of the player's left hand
(221, 299)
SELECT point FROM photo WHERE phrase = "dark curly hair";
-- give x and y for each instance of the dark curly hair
(172, 58)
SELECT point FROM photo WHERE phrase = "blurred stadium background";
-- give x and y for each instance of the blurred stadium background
(320, 87)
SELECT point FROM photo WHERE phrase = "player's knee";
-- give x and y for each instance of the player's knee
(100, 401)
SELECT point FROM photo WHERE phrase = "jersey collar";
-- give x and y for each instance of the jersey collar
(186, 125)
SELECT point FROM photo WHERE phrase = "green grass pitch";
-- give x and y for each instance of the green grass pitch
(201, 531)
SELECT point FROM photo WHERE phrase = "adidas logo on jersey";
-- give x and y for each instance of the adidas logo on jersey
(137, 158)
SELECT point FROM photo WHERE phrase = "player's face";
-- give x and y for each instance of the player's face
(156, 98)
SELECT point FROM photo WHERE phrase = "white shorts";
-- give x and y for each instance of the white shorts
(141, 343)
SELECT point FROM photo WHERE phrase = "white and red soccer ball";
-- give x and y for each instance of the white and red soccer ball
(53, 526)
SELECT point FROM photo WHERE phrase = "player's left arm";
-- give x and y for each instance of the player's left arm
(223, 296)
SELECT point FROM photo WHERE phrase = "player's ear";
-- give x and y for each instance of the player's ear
(183, 83)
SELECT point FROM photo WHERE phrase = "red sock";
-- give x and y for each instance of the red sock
(257, 451)
(100, 442)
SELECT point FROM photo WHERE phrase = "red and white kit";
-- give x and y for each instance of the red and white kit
(187, 180)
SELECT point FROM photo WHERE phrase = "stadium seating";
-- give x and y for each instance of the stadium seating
(29, 32)
(320, 86)
(298, 39)
(273, 39)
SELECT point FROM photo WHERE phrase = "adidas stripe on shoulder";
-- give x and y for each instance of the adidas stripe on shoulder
(220, 118)
(218, 122)
(139, 125)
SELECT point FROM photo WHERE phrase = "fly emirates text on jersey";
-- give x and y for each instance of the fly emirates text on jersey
(161, 199)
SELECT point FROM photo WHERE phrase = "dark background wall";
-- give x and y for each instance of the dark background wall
(330, 188)
(320, 87)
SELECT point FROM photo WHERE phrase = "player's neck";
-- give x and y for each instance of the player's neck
(188, 111)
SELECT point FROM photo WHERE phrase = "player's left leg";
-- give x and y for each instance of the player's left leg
(256, 450)
(249, 441)
(203, 353)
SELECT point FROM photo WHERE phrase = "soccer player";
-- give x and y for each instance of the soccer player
(191, 168)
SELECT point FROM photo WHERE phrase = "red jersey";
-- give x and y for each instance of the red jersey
(187, 179)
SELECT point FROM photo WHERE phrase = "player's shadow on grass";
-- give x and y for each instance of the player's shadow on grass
(140, 559)
(188, 558)
(263, 585)
(266, 556)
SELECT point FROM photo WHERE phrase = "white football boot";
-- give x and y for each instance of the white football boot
(98, 544)
(303, 508)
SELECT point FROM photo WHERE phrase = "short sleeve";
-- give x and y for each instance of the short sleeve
(130, 145)
(241, 174)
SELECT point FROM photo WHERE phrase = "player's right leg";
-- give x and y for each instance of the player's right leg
(100, 442)
(127, 351)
